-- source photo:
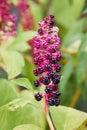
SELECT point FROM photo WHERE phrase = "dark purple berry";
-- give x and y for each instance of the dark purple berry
(36, 83)
(46, 20)
(48, 67)
(51, 101)
(52, 75)
(40, 31)
(35, 72)
(51, 23)
(58, 75)
(51, 16)
(53, 61)
(56, 80)
(52, 49)
(57, 102)
(38, 96)
(40, 70)
(48, 56)
(48, 90)
(48, 40)
(58, 68)
(35, 61)
(57, 94)
(40, 59)
(46, 80)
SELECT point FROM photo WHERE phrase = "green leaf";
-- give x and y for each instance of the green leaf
(66, 14)
(65, 118)
(71, 39)
(83, 46)
(23, 82)
(43, 2)
(66, 73)
(36, 9)
(14, 2)
(28, 71)
(27, 127)
(28, 95)
(25, 36)
(75, 33)
(13, 62)
(81, 72)
(20, 43)
(3, 73)
(21, 46)
(72, 44)
(19, 103)
(7, 91)
(20, 112)
(71, 1)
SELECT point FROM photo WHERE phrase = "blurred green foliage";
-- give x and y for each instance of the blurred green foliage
(19, 108)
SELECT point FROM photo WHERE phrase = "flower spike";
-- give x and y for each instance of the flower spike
(46, 46)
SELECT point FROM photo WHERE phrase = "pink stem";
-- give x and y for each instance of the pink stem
(47, 115)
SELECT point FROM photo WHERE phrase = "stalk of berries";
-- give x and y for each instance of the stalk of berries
(46, 58)
(7, 21)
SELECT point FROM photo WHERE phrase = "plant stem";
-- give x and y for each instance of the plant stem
(48, 116)
(47, 7)
(75, 98)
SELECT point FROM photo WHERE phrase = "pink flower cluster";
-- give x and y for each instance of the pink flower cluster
(7, 21)
(46, 58)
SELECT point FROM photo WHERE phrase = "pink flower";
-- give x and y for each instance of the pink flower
(46, 46)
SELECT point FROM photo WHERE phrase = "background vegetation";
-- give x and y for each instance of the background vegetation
(18, 108)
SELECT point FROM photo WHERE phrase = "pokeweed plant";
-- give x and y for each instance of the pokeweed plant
(18, 109)
(46, 57)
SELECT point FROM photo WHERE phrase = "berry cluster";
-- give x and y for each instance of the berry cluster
(26, 17)
(7, 21)
(46, 58)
